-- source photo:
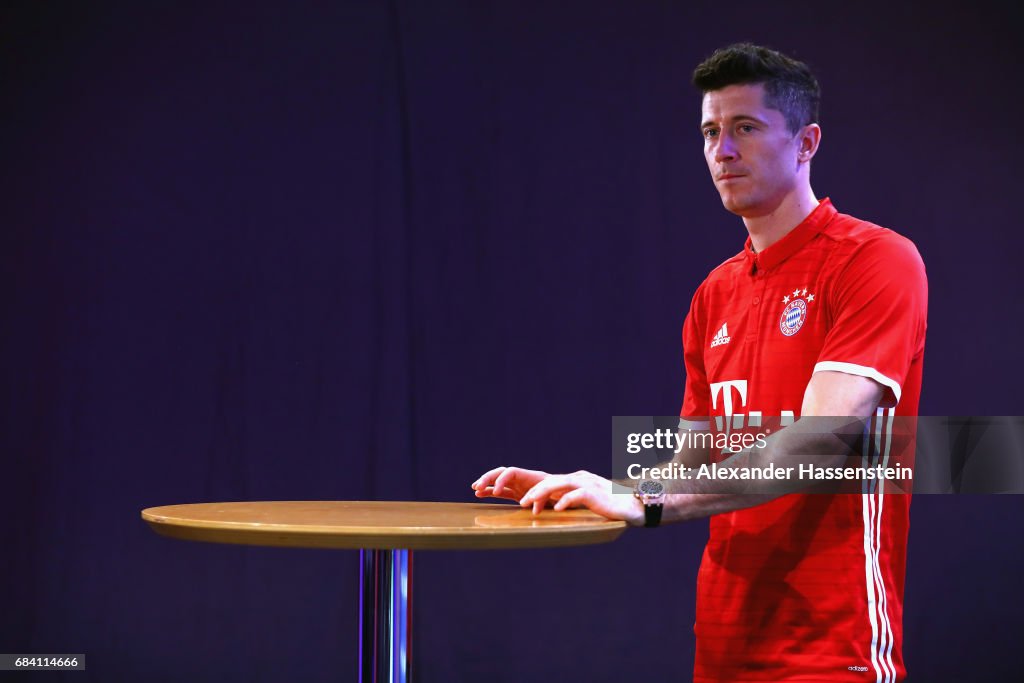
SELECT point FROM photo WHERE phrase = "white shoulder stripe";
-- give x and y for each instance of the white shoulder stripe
(861, 371)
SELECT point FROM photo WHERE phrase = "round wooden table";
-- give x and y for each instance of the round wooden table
(385, 533)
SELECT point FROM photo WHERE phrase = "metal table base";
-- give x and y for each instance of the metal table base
(385, 608)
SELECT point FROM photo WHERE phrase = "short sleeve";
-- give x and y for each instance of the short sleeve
(878, 309)
(696, 397)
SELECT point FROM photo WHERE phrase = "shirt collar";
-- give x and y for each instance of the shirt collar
(793, 241)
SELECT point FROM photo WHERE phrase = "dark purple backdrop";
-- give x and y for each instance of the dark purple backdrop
(367, 250)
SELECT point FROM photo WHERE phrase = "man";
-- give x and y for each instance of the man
(821, 314)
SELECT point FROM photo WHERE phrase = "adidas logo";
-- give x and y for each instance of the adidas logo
(721, 337)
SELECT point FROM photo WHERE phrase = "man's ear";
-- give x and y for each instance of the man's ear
(809, 139)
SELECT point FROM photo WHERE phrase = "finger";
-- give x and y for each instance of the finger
(487, 477)
(537, 503)
(577, 498)
(549, 486)
(507, 476)
(488, 492)
(503, 480)
(542, 499)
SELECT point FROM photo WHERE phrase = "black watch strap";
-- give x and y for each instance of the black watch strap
(652, 514)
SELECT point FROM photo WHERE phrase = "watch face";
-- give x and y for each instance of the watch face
(651, 488)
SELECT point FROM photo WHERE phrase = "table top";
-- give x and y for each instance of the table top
(381, 525)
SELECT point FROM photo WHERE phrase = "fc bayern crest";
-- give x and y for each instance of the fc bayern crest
(795, 313)
(793, 317)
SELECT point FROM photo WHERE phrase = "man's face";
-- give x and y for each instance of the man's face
(752, 156)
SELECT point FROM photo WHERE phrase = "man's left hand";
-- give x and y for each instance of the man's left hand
(584, 489)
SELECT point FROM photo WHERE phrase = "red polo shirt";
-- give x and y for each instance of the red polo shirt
(806, 587)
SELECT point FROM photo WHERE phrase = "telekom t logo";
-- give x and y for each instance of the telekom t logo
(731, 409)
(740, 385)
(725, 389)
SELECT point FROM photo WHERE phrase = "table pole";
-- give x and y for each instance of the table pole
(385, 607)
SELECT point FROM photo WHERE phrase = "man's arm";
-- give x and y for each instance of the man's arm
(512, 483)
(827, 394)
(804, 442)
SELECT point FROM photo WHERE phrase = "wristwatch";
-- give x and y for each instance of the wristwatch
(652, 494)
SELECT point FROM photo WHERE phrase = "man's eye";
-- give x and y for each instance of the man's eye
(747, 128)
(710, 133)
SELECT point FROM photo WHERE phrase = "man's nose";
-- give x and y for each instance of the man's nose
(725, 150)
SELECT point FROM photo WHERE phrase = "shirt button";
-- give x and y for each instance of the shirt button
(757, 300)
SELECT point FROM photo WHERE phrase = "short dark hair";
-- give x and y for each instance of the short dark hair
(789, 85)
